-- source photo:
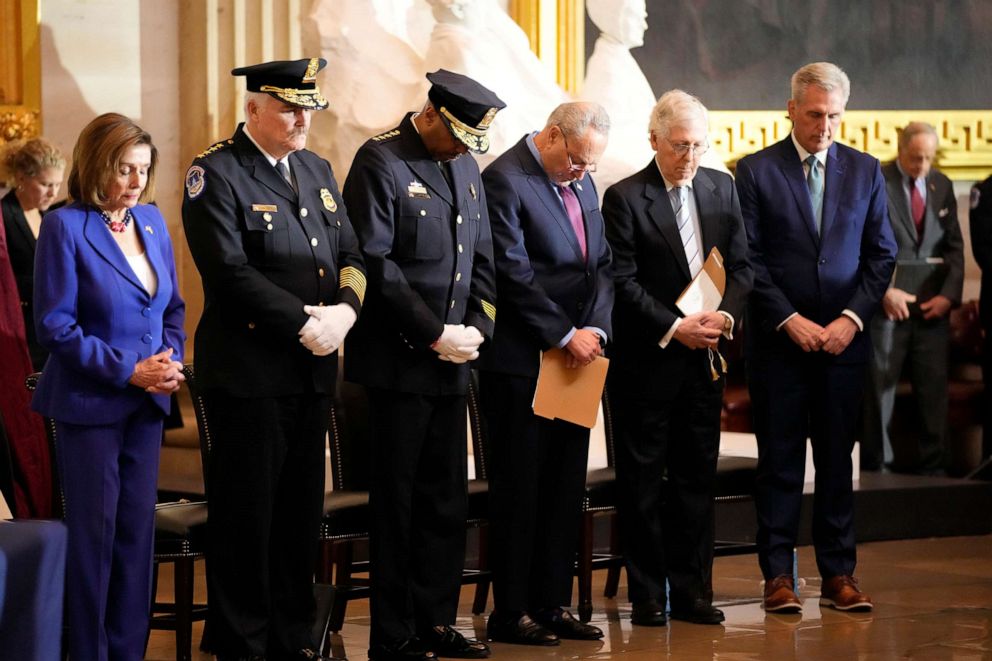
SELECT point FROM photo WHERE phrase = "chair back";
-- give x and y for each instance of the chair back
(202, 422)
(608, 430)
(350, 436)
(480, 431)
(6, 468)
(58, 510)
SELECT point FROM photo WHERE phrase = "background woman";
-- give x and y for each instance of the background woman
(107, 308)
(35, 171)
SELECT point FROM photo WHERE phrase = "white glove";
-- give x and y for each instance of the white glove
(326, 328)
(458, 344)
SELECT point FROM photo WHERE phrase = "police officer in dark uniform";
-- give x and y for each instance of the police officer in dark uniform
(420, 214)
(283, 281)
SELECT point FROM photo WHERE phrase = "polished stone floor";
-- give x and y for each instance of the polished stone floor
(933, 600)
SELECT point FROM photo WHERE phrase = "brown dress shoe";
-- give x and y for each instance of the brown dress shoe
(842, 593)
(780, 597)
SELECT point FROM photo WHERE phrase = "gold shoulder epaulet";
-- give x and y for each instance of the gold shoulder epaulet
(387, 135)
(215, 148)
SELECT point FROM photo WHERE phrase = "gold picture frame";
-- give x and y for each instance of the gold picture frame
(20, 76)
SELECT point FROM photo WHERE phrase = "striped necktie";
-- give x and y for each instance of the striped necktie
(283, 169)
(680, 204)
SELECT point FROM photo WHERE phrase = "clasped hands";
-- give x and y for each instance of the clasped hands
(811, 336)
(158, 374)
(701, 330)
(458, 343)
(582, 348)
(896, 302)
(327, 327)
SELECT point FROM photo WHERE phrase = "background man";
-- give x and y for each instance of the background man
(283, 281)
(556, 290)
(420, 212)
(822, 252)
(923, 213)
(665, 375)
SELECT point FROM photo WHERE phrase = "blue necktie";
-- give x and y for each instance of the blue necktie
(815, 182)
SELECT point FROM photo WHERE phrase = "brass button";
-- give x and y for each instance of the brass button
(304, 213)
(267, 216)
(314, 242)
(478, 216)
(460, 249)
(423, 212)
(458, 277)
(251, 325)
(269, 227)
(320, 272)
(459, 219)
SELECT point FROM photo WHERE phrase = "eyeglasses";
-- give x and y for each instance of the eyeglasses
(683, 148)
(574, 167)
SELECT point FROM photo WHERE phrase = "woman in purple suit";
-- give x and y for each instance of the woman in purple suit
(108, 310)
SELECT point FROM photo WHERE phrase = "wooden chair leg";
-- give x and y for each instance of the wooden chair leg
(184, 608)
(585, 567)
(482, 587)
(342, 580)
(613, 575)
(325, 563)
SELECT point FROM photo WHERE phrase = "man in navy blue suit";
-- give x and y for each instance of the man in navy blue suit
(822, 251)
(556, 290)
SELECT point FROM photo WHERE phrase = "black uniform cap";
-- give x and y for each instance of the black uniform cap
(292, 81)
(465, 106)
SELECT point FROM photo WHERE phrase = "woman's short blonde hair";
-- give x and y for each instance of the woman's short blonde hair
(96, 158)
(29, 158)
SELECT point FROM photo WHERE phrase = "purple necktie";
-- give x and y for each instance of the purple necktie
(574, 212)
(917, 207)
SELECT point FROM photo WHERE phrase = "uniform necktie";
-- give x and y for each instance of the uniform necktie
(814, 179)
(443, 167)
(680, 204)
(917, 206)
(574, 211)
(283, 171)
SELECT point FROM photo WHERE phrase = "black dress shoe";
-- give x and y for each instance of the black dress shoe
(518, 629)
(648, 614)
(310, 654)
(564, 624)
(447, 642)
(699, 611)
(411, 649)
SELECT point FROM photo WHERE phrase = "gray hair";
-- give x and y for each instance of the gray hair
(675, 108)
(914, 129)
(577, 117)
(825, 75)
(258, 97)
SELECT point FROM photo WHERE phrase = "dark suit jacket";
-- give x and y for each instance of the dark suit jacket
(941, 230)
(96, 318)
(544, 284)
(430, 262)
(20, 248)
(980, 227)
(847, 266)
(263, 252)
(651, 271)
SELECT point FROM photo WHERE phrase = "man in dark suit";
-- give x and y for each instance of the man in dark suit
(283, 281)
(923, 213)
(556, 290)
(980, 226)
(666, 373)
(822, 252)
(420, 212)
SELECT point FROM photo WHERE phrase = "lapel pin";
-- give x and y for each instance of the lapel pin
(578, 185)
(148, 228)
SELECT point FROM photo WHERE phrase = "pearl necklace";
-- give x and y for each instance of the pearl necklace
(119, 226)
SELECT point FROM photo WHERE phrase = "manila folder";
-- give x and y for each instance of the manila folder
(571, 394)
(705, 292)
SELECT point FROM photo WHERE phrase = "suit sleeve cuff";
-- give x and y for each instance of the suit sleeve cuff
(729, 333)
(568, 338)
(855, 318)
(670, 334)
(784, 321)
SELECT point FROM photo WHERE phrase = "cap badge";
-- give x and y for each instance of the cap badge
(312, 68)
(488, 119)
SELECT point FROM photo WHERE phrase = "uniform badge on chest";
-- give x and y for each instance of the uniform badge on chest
(328, 199)
(417, 189)
(472, 191)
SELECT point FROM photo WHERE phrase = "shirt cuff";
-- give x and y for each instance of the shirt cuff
(670, 334)
(729, 333)
(855, 318)
(568, 338)
(779, 327)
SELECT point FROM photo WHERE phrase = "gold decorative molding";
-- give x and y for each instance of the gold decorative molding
(20, 79)
(965, 135)
(571, 64)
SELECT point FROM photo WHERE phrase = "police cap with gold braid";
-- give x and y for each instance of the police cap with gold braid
(466, 107)
(292, 81)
